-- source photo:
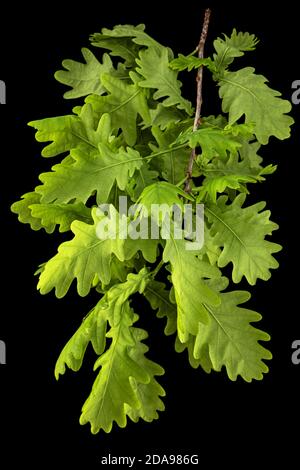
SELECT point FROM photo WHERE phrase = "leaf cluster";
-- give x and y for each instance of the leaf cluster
(132, 136)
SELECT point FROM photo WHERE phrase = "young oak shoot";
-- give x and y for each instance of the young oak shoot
(135, 135)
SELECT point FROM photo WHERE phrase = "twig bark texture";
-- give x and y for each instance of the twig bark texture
(199, 80)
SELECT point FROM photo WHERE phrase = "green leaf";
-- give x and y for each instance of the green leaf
(146, 244)
(70, 132)
(228, 49)
(124, 41)
(230, 340)
(191, 290)
(233, 174)
(244, 247)
(163, 117)
(116, 390)
(84, 79)
(244, 93)
(132, 137)
(126, 384)
(162, 194)
(92, 329)
(173, 163)
(211, 140)
(117, 295)
(148, 394)
(124, 103)
(154, 67)
(63, 215)
(218, 184)
(142, 178)
(23, 209)
(82, 258)
(191, 62)
(95, 171)
(160, 300)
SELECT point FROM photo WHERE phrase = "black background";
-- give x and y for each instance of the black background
(230, 423)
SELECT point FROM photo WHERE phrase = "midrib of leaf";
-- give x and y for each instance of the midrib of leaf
(127, 50)
(90, 247)
(238, 85)
(229, 228)
(131, 97)
(113, 346)
(157, 294)
(116, 164)
(172, 167)
(223, 56)
(181, 99)
(223, 329)
(168, 150)
(153, 155)
(83, 139)
(142, 178)
(228, 172)
(234, 234)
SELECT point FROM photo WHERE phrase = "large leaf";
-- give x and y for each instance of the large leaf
(92, 329)
(83, 257)
(63, 215)
(124, 103)
(125, 384)
(154, 67)
(241, 233)
(230, 340)
(124, 41)
(70, 132)
(188, 274)
(94, 171)
(84, 79)
(245, 93)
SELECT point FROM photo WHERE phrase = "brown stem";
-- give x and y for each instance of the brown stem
(199, 80)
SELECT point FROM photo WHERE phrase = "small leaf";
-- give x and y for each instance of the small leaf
(191, 62)
(211, 140)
